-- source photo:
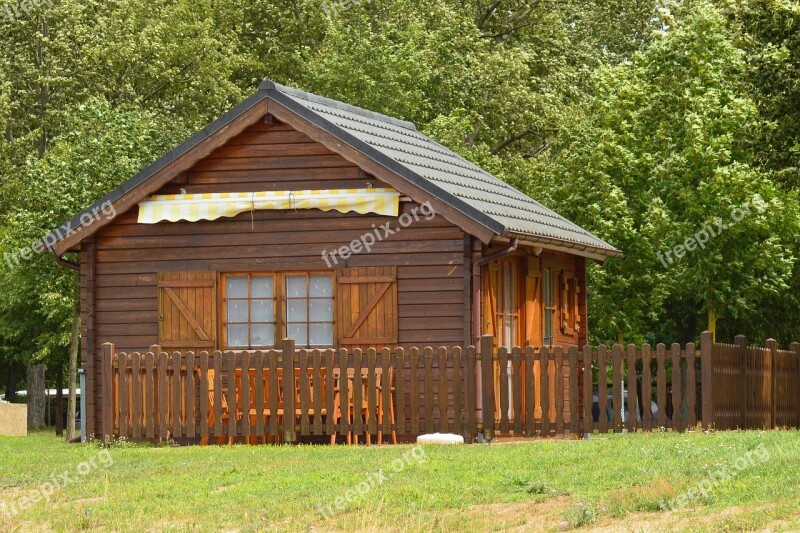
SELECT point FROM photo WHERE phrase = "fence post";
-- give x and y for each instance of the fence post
(487, 379)
(288, 390)
(772, 346)
(707, 377)
(795, 347)
(744, 378)
(108, 390)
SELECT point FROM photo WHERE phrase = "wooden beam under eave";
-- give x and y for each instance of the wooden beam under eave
(384, 174)
(182, 164)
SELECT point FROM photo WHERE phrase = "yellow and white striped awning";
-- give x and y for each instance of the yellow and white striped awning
(211, 206)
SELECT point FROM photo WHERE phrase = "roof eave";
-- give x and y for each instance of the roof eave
(593, 252)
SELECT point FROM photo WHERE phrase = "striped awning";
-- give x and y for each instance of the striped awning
(211, 206)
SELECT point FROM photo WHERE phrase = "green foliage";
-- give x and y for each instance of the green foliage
(640, 121)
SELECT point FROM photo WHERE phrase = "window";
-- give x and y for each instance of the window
(249, 304)
(548, 298)
(309, 309)
(508, 309)
(260, 309)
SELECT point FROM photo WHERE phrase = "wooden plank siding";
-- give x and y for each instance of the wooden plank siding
(127, 257)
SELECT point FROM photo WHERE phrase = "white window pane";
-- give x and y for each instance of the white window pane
(321, 335)
(296, 310)
(295, 286)
(237, 287)
(262, 335)
(298, 332)
(262, 311)
(321, 310)
(261, 287)
(321, 286)
(237, 335)
(237, 311)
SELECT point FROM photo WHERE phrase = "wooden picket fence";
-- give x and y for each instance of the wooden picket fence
(390, 395)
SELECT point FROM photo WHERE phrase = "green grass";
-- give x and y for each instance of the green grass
(612, 481)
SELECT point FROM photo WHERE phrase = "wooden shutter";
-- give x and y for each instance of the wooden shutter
(491, 288)
(366, 307)
(187, 310)
(534, 319)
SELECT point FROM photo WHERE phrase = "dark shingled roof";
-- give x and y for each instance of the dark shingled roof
(397, 145)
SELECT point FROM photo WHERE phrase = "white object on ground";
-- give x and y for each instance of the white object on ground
(440, 438)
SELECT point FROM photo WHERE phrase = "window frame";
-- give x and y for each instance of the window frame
(279, 307)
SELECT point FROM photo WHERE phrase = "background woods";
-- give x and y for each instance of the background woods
(642, 121)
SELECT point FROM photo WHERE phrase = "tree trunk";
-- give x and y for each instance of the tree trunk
(60, 399)
(36, 397)
(73, 374)
(11, 381)
(712, 322)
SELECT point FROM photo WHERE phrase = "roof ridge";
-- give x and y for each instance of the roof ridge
(269, 85)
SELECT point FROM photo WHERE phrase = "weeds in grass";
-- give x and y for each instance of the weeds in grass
(526, 484)
(582, 515)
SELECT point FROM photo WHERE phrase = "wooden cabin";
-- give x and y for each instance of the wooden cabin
(298, 216)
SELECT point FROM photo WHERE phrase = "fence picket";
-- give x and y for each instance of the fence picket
(317, 387)
(544, 387)
(400, 364)
(273, 392)
(344, 386)
(386, 390)
(588, 418)
(175, 394)
(358, 422)
(472, 394)
(149, 398)
(244, 393)
(190, 391)
(487, 384)
(123, 395)
(258, 400)
(305, 394)
(443, 392)
(288, 390)
(502, 361)
(458, 394)
(677, 389)
(647, 388)
(330, 394)
(372, 392)
(136, 389)
(233, 409)
(204, 388)
(516, 389)
(691, 385)
(602, 388)
(427, 360)
(163, 396)
(661, 385)
(217, 394)
(530, 393)
(414, 362)
(616, 388)
(558, 388)
(572, 354)
(632, 389)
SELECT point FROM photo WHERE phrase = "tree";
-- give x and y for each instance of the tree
(660, 154)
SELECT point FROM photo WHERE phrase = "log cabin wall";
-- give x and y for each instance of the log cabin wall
(121, 265)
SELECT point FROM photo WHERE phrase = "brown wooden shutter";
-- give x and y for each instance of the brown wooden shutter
(187, 310)
(534, 320)
(491, 288)
(366, 307)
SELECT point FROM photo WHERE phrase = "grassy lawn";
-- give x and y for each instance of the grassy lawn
(608, 483)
